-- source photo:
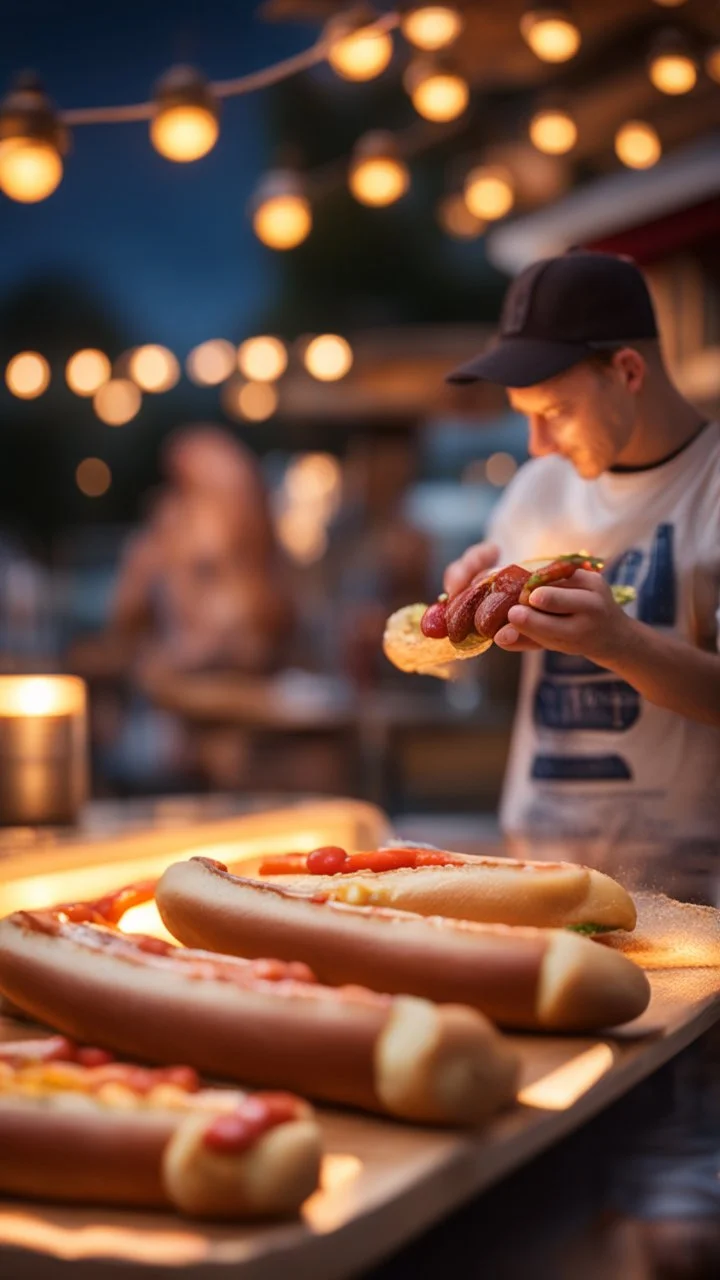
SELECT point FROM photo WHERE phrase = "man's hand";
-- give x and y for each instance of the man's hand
(576, 616)
(478, 559)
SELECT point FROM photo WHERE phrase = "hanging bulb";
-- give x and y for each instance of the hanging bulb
(32, 142)
(27, 375)
(437, 90)
(550, 32)
(251, 401)
(456, 219)
(553, 131)
(211, 362)
(637, 144)
(86, 371)
(377, 174)
(117, 401)
(432, 27)
(356, 49)
(281, 212)
(328, 357)
(671, 68)
(185, 125)
(489, 192)
(154, 368)
(262, 359)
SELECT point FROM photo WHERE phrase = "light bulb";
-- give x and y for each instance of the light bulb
(550, 33)
(93, 477)
(262, 359)
(359, 54)
(281, 212)
(637, 144)
(117, 402)
(30, 170)
(184, 133)
(712, 63)
(86, 371)
(185, 125)
(439, 95)
(489, 192)
(673, 73)
(328, 357)
(553, 132)
(211, 362)
(431, 27)
(377, 174)
(456, 219)
(32, 141)
(154, 368)
(27, 375)
(253, 401)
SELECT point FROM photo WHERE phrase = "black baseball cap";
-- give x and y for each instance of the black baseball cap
(560, 311)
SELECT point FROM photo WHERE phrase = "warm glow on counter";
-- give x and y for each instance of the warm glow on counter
(561, 1088)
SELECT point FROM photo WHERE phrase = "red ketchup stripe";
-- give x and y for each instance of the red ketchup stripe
(237, 1132)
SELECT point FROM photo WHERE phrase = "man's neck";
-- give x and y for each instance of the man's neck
(666, 422)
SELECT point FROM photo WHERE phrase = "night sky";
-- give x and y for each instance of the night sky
(168, 246)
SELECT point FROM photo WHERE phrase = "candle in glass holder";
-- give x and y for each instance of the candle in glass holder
(43, 750)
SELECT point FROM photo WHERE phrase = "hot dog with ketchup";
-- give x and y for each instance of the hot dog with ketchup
(264, 1022)
(486, 890)
(520, 977)
(77, 1125)
(427, 639)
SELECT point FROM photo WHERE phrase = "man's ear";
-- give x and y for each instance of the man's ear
(632, 368)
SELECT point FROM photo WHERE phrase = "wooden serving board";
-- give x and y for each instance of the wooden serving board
(383, 1182)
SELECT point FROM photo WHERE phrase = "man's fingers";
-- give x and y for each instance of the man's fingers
(509, 639)
(546, 629)
(460, 573)
(559, 600)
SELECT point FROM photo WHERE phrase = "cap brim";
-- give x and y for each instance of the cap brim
(521, 362)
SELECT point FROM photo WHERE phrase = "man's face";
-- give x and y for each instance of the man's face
(586, 415)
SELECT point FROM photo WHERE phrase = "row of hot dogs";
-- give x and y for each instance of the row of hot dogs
(388, 973)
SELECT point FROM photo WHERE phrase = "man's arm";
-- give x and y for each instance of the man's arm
(582, 618)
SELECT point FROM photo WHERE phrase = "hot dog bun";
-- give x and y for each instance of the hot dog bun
(264, 1023)
(519, 977)
(488, 891)
(65, 1136)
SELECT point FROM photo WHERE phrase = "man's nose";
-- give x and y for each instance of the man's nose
(540, 441)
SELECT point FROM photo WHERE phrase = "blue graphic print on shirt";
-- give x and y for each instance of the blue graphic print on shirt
(576, 695)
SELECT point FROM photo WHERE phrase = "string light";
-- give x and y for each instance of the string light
(489, 192)
(670, 4)
(281, 215)
(671, 68)
(154, 368)
(712, 63)
(262, 359)
(637, 144)
(553, 131)
(31, 143)
(550, 33)
(86, 371)
(253, 401)
(328, 357)
(456, 219)
(93, 477)
(27, 375)
(437, 92)
(356, 50)
(431, 27)
(185, 125)
(377, 174)
(211, 362)
(117, 402)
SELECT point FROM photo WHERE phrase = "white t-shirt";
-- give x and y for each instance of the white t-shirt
(591, 759)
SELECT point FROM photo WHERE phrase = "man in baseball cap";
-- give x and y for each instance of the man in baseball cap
(617, 733)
